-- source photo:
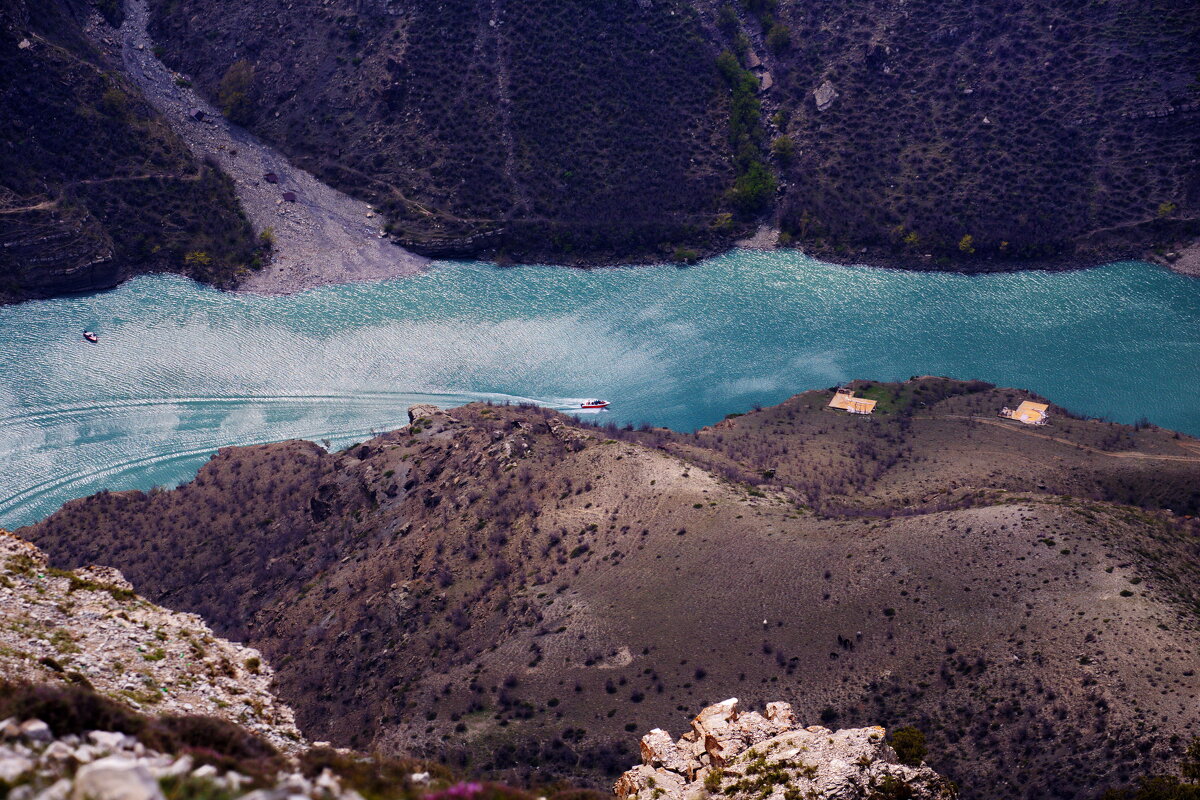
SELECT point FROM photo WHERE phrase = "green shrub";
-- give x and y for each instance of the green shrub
(235, 93)
(779, 38)
(909, 744)
(784, 149)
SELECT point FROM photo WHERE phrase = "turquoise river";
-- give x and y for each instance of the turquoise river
(182, 369)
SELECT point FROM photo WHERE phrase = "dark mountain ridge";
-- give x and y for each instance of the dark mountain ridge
(929, 134)
(507, 590)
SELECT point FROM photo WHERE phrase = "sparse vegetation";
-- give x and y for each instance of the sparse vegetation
(505, 545)
(235, 93)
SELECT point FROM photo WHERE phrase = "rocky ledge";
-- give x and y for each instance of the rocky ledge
(35, 764)
(87, 627)
(749, 755)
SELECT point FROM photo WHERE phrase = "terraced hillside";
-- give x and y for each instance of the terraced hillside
(94, 187)
(946, 134)
(504, 589)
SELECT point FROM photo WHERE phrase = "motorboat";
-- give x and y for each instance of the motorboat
(594, 404)
(91, 337)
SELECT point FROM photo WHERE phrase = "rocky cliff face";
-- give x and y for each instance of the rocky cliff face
(87, 627)
(748, 755)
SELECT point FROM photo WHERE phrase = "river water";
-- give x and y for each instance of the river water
(182, 369)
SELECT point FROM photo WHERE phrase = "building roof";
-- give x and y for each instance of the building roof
(1030, 413)
(848, 402)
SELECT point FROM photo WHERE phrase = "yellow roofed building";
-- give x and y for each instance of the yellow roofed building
(846, 401)
(1028, 412)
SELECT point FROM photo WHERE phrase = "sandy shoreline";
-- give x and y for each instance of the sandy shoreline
(1188, 262)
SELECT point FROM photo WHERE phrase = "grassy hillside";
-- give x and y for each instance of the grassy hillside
(958, 135)
(93, 185)
(507, 591)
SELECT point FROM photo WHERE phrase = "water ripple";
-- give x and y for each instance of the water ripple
(182, 369)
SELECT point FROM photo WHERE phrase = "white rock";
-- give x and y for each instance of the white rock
(109, 740)
(328, 782)
(13, 767)
(58, 751)
(206, 771)
(181, 766)
(59, 790)
(233, 781)
(36, 731)
(824, 95)
(115, 778)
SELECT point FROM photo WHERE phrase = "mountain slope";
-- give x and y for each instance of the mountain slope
(502, 588)
(574, 128)
(94, 187)
(1044, 132)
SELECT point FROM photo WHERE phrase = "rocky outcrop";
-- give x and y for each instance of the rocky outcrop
(420, 410)
(88, 627)
(824, 95)
(747, 754)
(111, 765)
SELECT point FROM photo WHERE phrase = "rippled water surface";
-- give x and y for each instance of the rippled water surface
(182, 369)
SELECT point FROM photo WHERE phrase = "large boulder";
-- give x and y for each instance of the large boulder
(115, 778)
(751, 756)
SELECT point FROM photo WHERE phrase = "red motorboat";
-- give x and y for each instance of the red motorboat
(91, 337)
(594, 404)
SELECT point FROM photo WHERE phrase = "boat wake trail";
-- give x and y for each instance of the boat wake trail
(53, 453)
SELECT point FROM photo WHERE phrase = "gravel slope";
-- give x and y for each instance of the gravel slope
(323, 237)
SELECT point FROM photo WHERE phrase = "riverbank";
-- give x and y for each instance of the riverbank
(1185, 261)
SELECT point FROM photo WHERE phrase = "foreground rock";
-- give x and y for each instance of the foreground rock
(746, 754)
(88, 627)
(110, 765)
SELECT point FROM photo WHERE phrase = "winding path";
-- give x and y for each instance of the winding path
(323, 237)
(1077, 445)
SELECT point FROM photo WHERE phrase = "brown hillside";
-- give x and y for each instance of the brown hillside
(504, 589)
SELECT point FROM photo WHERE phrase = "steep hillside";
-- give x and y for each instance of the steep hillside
(504, 589)
(93, 185)
(933, 134)
(1041, 130)
(575, 128)
(88, 628)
